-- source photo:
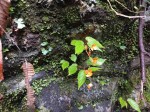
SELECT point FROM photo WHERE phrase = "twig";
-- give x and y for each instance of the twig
(123, 15)
(126, 7)
(11, 39)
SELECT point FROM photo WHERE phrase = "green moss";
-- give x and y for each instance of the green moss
(147, 86)
(38, 85)
(51, 24)
(3, 88)
(71, 15)
(14, 102)
(17, 7)
(114, 35)
(135, 80)
(125, 87)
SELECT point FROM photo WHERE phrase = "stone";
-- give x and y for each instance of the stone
(64, 97)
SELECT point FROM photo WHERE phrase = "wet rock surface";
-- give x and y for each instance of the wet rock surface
(13, 84)
(58, 98)
(13, 92)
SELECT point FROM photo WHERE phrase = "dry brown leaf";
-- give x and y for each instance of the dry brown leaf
(4, 11)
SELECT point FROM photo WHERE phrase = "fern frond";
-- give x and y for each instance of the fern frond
(29, 72)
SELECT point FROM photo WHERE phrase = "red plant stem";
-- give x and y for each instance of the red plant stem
(141, 45)
(1, 62)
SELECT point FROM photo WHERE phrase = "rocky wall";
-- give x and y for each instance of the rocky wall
(50, 27)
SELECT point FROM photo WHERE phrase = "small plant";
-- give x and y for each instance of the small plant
(45, 48)
(38, 85)
(20, 23)
(131, 102)
(89, 45)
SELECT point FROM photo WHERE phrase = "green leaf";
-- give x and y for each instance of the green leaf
(91, 41)
(44, 51)
(5, 49)
(65, 64)
(73, 42)
(79, 46)
(94, 69)
(123, 47)
(73, 57)
(44, 43)
(20, 23)
(81, 78)
(123, 103)
(49, 48)
(80, 107)
(45, 19)
(72, 69)
(97, 48)
(88, 62)
(102, 82)
(99, 61)
(133, 104)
